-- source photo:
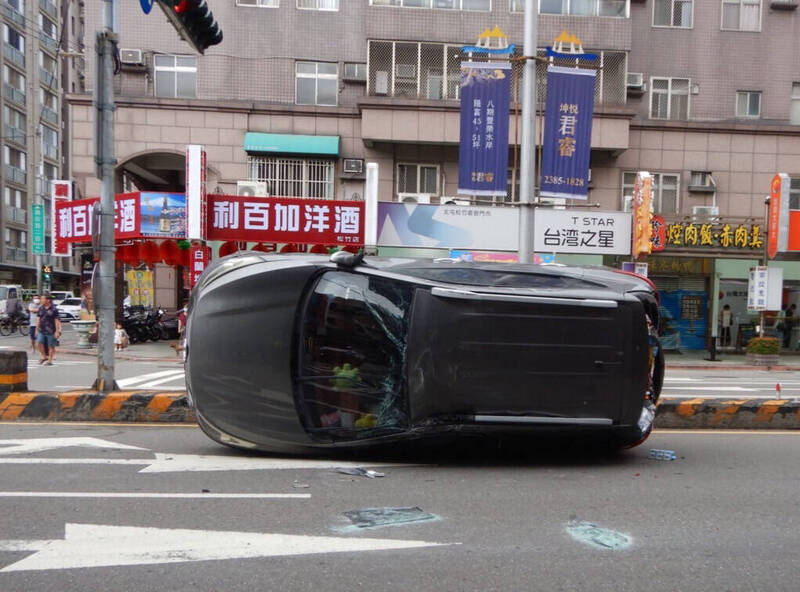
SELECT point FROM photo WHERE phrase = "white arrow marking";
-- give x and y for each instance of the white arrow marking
(179, 463)
(138, 494)
(99, 545)
(40, 444)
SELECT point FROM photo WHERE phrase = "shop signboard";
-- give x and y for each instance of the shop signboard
(285, 220)
(37, 229)
(447, 226)
(568, 231)
(162, 215)
(199, 257)
(566, 144)
(483, 147)
(778, 220)
(765, 289)
(60, 192)
(74, 219)
(703, 235)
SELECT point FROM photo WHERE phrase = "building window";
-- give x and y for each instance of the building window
(411, 69)
(317, 83)
(49, 172)
(794, 193)
(741, 15)
(261, 3)
(615, 8)
(176, 76)
(13, 38)
(16, 205)
(48, 27)
(355, 72)
(673, 13)
(47, 63)
(318, 4)
(748, 103)
(475, 5)
(665, 192)
(795, 113)
(294, 177)
(418, 178)
(15, 158)
(669, 98)
(49, 142)
(16, 124)
(13, 78)
(49, 100)
(17, 239)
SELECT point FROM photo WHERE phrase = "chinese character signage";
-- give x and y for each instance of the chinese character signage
(73, 219)
(642, 215)
(778, 240)
(285, 220)
(37, 229)
(199, 258)
(720, 235)
(163, 215)
(483, 149)
(60, 192)
(765, 289)
(567, 132)
(447, 226)
(564, 231)
(195, 192)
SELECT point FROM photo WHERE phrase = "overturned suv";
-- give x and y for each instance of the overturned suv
(294, 353)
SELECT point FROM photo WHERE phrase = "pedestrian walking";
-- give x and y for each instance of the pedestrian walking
(48, 330)
(788, 324)
(33, 318)
(727, 320)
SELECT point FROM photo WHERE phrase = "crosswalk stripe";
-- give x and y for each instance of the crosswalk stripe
(140, 381)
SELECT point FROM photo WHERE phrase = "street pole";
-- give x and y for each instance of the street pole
(527, 181)
(104, 156)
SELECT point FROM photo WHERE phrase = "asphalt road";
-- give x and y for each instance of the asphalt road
(723, 516)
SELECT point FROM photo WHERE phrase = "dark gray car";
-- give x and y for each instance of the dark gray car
(293, 353)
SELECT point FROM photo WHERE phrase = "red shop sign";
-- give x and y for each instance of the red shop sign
(285, 220)
(73, 219)
(199, 258)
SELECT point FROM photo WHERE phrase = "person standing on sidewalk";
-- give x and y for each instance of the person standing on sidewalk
(48, 330)
(33, 318)
(727, 318)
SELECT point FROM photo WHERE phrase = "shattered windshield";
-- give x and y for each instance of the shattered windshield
(351, 381)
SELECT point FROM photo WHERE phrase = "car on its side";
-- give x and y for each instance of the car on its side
(296, 353)
(70, 309)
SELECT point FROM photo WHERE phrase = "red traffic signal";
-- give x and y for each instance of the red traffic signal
(194, 21)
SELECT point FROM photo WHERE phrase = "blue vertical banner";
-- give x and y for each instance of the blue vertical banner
(483, 150)
(567, 142)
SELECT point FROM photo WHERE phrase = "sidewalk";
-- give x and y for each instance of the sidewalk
(159, 351)
(699, 359)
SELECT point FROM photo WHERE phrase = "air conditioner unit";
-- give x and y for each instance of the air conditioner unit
(251, 188)
(353, 166)
(131, 57)
(635, 82)
(405, 70)
(417, 198)
(705, 212)
(381, 82)
(702, 182)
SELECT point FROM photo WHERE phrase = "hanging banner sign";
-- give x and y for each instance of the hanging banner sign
(483, 147)
(564, 231)
(447, 226)
(567, 132)
(778, 229)
(199, 258)
(73, 219)
(195, 192)
(60, 192)
(37, 229)
(285, 220)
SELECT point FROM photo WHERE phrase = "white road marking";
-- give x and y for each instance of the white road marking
(178, 377)
(136, 380)
(100, 545)
(181, 463)
(712, 388)
(27, 446)
(143, 495)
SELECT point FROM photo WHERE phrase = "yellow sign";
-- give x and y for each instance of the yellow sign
(719, 236)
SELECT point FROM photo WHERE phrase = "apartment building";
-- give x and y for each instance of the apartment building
(703, 94)
(34, 43)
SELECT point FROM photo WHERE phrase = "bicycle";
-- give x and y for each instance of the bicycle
(9, 325)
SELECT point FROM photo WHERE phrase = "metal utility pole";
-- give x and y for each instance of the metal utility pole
(527, 181)
(105, 45)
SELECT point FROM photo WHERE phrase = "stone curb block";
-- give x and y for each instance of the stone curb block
(749, 414)
(133, 406)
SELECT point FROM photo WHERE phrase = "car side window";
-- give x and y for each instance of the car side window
(351, 376)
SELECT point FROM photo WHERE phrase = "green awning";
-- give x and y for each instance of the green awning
(291, 144)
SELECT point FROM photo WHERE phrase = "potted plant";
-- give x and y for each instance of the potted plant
(763, 351)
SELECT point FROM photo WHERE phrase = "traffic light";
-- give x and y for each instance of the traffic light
(46, 271)
(194, 21)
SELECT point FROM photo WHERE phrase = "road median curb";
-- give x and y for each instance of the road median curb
(82, 405)
(746, 414)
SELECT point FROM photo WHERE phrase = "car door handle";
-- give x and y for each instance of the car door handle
(493, 297)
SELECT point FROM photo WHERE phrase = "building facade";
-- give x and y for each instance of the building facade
(705, 95)
(34, 44)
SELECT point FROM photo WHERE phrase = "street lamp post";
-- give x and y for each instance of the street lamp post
(527, 182)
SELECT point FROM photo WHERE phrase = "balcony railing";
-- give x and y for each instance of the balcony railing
(14, 134)
(14, 55)
(18, 215)
(48, 78)
(49, 115)
(16, 254)
(614, 8)
(13, 14)
(48, 42)
(14, 94)
(16, 175)
(49, 8)
(50, 152)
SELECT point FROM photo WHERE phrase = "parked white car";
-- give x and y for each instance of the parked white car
(59, 296)
(70, 309)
